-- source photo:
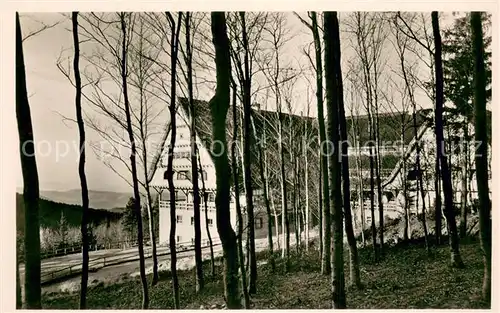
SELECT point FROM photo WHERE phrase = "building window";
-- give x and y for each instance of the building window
(192, 241)
(180, 196)
(192, 220)
(211, 197)
(179, 239)
(165, 175)
(389, 195)
(204, 175)
(413, 174)
(258, 223)
(179, 219)
(182, 155)
(182, 175)
(208, 243)
(210, 222)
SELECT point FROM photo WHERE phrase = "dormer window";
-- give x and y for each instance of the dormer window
(413, 174)
(204, 175)
(182, 175)
(182, 155)
(210, 196)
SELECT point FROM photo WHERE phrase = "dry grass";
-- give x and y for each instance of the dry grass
(407, 278)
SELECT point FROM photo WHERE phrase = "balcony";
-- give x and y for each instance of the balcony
(183, 205)
(384, 150)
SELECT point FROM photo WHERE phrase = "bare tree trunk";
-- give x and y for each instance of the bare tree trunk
(362, 208)
(296, 196)
(405, 188)
(194, 168)
(360, 176)
(247, 161)
(81, 164)
(137, 202)
(481, 135)
(32, 289)
(437, 207)
(265, 187)
(205, 201)
(174, 49)
(326, 231)
(306, 178)
(354, 274)
(219, 106)
(320, 213)
(379, 189)
(273, 207)
(378, 163)
(372, 195)
(143, 124)
(332, 72)
(420, 188)
(456, 260)
(464, 208)
(152, 233)
(284, 199)
(234, 162)
(19, 296)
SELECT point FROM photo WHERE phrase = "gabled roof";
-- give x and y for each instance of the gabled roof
(266, 122)
(429, 125)
(390, 126)
(263, 122)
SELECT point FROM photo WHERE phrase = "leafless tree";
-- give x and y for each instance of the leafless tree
(276, 31)
(362, 26)
(81, 164)
(456, 259)
(482, 153)
(415, 28)
(235, 172)
(219, 105)
(333, 85)
(407, 74)
(325, 235)
(32, 287)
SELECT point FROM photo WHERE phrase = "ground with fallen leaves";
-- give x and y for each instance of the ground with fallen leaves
(408, 277)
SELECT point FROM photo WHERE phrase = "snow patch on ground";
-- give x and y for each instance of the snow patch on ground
(188, 262)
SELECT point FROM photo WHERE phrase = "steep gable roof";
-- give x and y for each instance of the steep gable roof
(390, 127)
(429, 125)
(263, 129)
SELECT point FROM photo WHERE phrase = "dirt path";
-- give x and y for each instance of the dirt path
(115, 273)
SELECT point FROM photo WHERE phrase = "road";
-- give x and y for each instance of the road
(117, 272)
(113, 273)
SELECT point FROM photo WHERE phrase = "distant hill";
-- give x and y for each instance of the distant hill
(107, 200)
(50, 213)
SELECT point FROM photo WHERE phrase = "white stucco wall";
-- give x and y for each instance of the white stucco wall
(185, 230)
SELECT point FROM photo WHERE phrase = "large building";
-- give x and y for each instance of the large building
(398, 163)
(397, 153)
(182, 173)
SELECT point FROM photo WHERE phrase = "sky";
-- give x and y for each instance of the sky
(51, 99)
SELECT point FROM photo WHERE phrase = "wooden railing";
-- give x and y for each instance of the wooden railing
(182, 205)
(110, 260)
(77, 248)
